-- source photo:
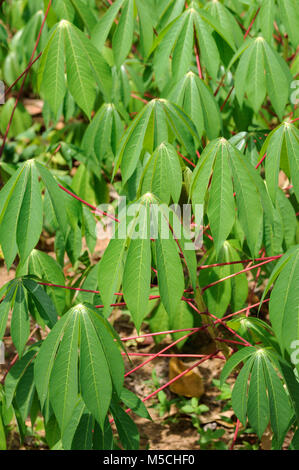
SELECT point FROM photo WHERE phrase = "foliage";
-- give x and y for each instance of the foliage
(166, 103)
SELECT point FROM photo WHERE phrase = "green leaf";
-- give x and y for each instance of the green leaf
(134, 403)
(182, 53)
(202, 173)
(95, 380)
(221, 208)
(240, 391)
(86, 13)
(182, 320)
(235, 359)
(292, 146)
(4, 311)
(56, 196)
(123, 36)
(30, 220)
(20, 323)
(63, 386)
(256, 85)
(51, 80)
(73, 424)
(250, 211)
(10, 215)
(284, 303)
(168, 262)
(266, 19)
(288, 11)
(258, 405)
(277, 79)
(101, 29)
(162, 175)
(208, 49)
(137, 271)
(132, 143)
(109, 339)
(127, 429)
(42, 301)
(280, 409)
(46, 357)
(25, 394)
(110, 271)
(196, 99)
(288, 217)
(16, 373)
(48, 270)
(79, 80)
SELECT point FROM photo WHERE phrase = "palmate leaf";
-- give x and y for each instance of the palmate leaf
(127, 260)
(137, 271)
(45, 268)
(177, 39)
(230, 172)
(158, 121)
(282, 147)
(195, 98)
(162, 175)
(123, 35)
(227, 21)
(103, 133)
(258, 392)
(85, 67)
(168, 262)
(21, 211)
(80, 337)
(260, 71)
(18, 293)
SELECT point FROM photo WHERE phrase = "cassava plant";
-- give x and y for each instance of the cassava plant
(169, 126)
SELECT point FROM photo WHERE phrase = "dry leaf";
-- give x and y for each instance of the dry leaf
(190, 385)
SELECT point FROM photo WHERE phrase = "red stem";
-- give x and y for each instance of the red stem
(167, 355)
(197, 58)
(272, 258)
(219, 320)
(186, 159)
(87, 203)
(20, 76)
(227, 98)
(158, 354)
(252, 23)
(236, 274)
(261, 161)
(235, 435)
